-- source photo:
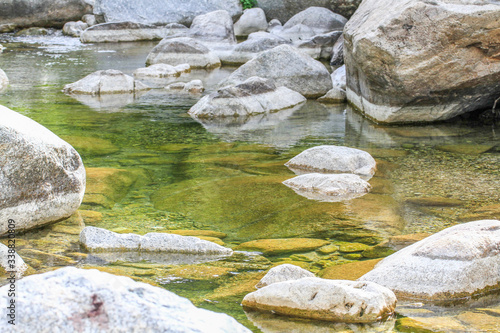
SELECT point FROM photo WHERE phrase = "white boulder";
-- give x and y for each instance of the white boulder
(252, 20)
(285, 272)
(105, 82)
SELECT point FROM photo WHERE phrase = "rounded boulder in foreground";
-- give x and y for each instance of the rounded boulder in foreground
(333, 159)
(322, 299)
(458, 262)
(42, 178)
(78, 300)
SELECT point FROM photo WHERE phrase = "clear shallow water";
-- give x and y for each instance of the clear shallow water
(153, 168)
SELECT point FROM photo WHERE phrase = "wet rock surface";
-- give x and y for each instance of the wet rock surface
(105, 82)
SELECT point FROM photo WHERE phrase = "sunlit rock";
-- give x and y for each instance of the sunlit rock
(329, 187)
(458, 262)
(252, 20)
(97, 302)
(334, 300)
(4, 80)
(11, 261)
(285, 272)
(129, 32)
(105, 82)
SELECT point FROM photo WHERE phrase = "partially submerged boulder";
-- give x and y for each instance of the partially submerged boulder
(162, 70)
(4, 80)
(42, 178)
(335, 95)
(333, 159)
(128, 32)
(74, 29)
(288, 67)
(422, 61)
(105, 82)
(459, 262)
(322, 299)
(252, 20)
(93, 301)
(285, 272)
(254, 96)
(102, 240)
(330, 187)
(176, 51)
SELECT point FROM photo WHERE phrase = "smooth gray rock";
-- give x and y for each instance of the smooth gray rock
(42, 13)
(91, 301)
(453, 264)
(337, 58)
(288, 67)
(102, 240)
(129, 32)
(33, 31)
(12, 264)
(42, 178)
(105, 82)
(339, 77)
(89, 19)
(285, 272)
(74, 29)
(162, 11)
(252, 20)
(253, 96)
(319, 46)
(335, 95)
(283, 10)
(4, 80)
(329, 187)
(249, 49)
(333, 159)
(194, 86)
(176, 51)
(419, 61)
(216, 26)
(158, 70)
(333, 300)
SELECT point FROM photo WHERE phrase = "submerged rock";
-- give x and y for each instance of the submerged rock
(322, 299)
(329, 188)
(460, 261)
(252, 20)
(42, 178)
(162, 11)
(74, 29)
(97, 302)
(4, 80)
(105, 82)
(285, 272)
(403, 67)
(288, 67)
(128, 32)
(101, 240)
(284, 245)
(176, 51)
(333, 159)
(253, 96)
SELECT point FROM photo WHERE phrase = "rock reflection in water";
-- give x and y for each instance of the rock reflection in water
(151, 257)
(284, 128)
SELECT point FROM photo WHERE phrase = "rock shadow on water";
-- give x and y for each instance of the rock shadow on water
(282, 129)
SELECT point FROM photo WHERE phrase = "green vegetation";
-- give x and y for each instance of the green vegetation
(248, 3)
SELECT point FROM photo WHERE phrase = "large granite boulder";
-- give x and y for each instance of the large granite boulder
(4, 80)
(283, 10)
(333, 300)
(91, 301)
(129, 32)
(453, 264)
(102, 240)
(422, 61)
(46, 13)
(256, 43)
(216, 26)
(285, 272)
(105, 82)
(333, 159)
(177, 51)
(254, 96)
(313, 20)
(288, 67)
(162, 11)
(330, 187)
(252, 20)
(42, 178)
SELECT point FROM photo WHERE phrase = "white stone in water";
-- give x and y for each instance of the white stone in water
(91, 301)
(176, 86)
(42, 178)
(335, 159)
(194, 86)
(4, 80)
(335, 95)
(183, 68)
(157, 70)
(455, 263)
(101, 240)
(333, 300)
(105, 82)
(329, 187)
(285, 272)
(19, 267)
